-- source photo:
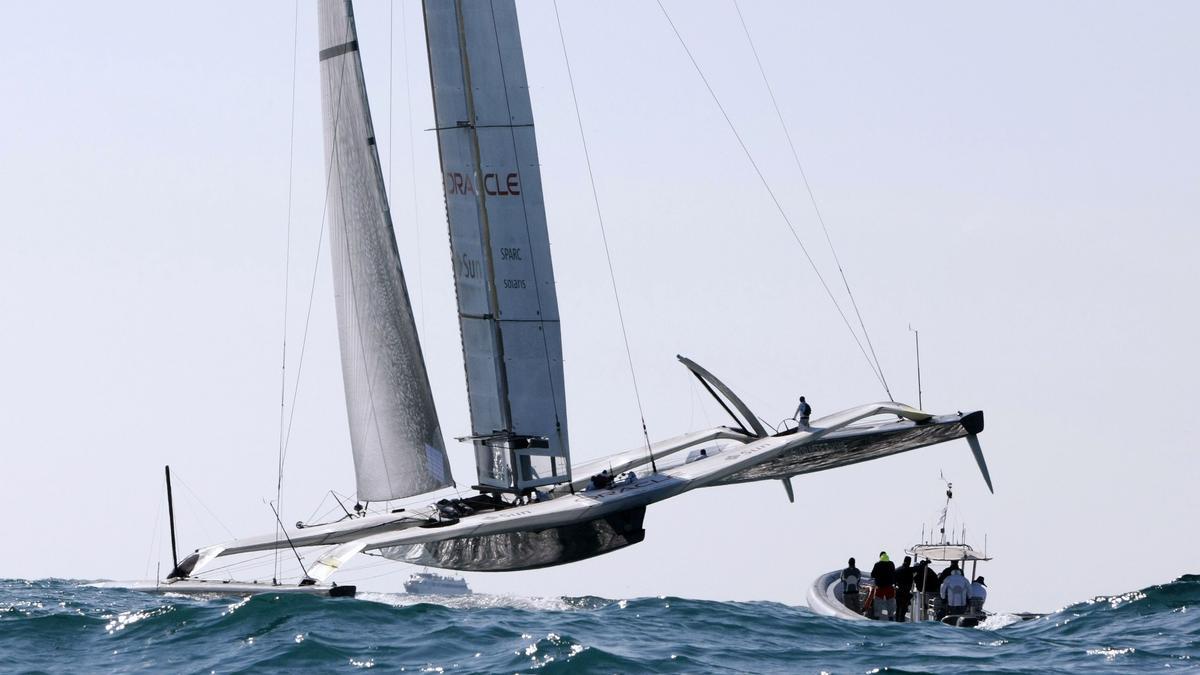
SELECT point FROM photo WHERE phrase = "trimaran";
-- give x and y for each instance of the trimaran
(532, 508)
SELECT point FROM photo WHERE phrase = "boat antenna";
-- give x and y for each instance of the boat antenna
(946, 508)
(171, 518)
(917, 338)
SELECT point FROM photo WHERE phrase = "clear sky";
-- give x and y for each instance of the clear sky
(1018, 181)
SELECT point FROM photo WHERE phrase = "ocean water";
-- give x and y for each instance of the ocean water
(62, 626)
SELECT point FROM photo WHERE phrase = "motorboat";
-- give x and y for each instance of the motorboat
(427, 583)
(940, 553)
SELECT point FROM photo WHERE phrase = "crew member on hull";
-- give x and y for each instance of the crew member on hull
(803, 413)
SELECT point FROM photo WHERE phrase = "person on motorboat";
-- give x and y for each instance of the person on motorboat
(850, 578)
(955, 591)
(977, 595)
(884, 574)
(925, 582)
(904, 586)
(944, 574)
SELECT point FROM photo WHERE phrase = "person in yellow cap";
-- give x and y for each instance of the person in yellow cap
(884, 574)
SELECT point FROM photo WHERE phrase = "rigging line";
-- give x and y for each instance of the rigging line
(248, 562)
(289, 539)
(778, 206)
(312, 289)
(313, 520)
(177, 478)
(154, 531)
(391, 99)
(358, 579)
(287, 269)
(412, 161)
(604, 237)
(240, 564)
(321, 503)
(811, 197)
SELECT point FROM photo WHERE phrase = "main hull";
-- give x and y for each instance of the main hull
(513, 551)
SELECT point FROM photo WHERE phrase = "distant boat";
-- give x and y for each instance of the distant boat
(529, 506)
(425, 583)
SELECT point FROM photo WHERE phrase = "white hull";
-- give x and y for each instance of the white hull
(212, 587)
(436, 584)
(825, 598)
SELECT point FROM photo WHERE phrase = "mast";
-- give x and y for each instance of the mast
(171, 519)
(503, 274)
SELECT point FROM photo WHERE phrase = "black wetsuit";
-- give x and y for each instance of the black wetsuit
(904, 584)
(931, 584)
(941, 577)
(884, 573)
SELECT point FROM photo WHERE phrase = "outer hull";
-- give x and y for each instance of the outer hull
(860, 444)
(210, 587)
(514, 551)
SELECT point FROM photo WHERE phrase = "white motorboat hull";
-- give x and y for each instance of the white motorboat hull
(825, 598)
